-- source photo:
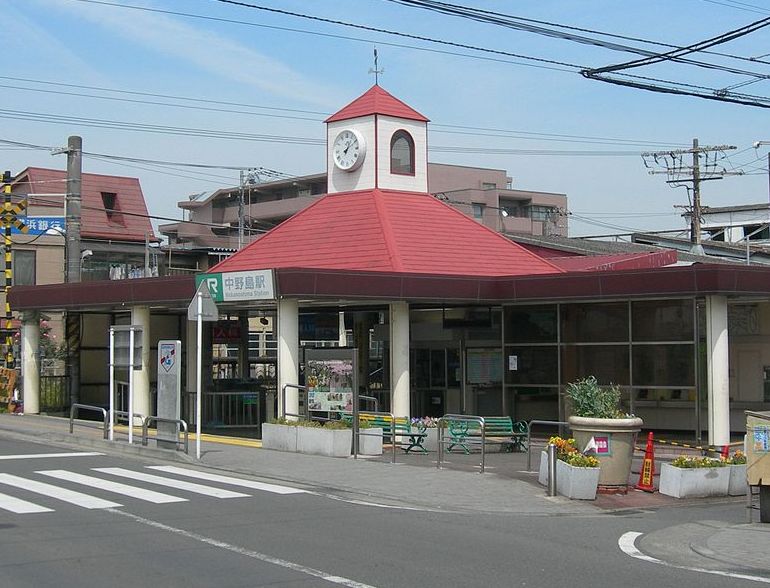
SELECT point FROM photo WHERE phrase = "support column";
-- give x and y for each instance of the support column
(718, 370)
(243, 346)
(288, 354)
(399, 358)
(190, 350)
(30, 361)
(140, 316)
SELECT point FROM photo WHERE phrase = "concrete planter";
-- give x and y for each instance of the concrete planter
(328, 442)
(279, 437)
(370, 441)
(572, 482)
(694, 482)
(576, 483)
(614, 459)
(738, 485)
(430, 443)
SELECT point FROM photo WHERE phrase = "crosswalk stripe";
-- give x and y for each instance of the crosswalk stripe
(48, 455)
(274, 488)
(179, 484)
(20, 506)
(116, 487)
(76, 498)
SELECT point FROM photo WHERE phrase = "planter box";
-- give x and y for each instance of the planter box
(430, 443)
(279, 437)
(370, 441)
(738, 485)
(572, 482)
(694, 482)
(328, 442)
(576, 483)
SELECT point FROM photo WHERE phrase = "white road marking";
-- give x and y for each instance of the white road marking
(246, 552)
(116, 487)
(179, 484)
(627, 544)
(228, 480)
(19, 506)
(76, 498)
(47, 455)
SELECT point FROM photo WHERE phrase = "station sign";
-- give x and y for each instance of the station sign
(235, 286)
(38, 225)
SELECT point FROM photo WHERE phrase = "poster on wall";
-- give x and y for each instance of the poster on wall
(485, 366)
(329, 384)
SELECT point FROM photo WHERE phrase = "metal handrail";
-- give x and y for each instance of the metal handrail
(282, 401)
(89, 407)
(371, 399)
(126, 416)
(357, 430)
(529, 437)
(146, 423)
(461, 417)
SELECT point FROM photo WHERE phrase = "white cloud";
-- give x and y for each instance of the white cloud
(204, 49)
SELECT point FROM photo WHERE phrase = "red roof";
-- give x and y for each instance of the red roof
(387, 231)
(617, 261)
(376, 101)
(129, 222)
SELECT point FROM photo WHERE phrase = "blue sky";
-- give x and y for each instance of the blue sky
(283, 74)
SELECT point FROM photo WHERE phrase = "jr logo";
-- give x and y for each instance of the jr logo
(213, 285)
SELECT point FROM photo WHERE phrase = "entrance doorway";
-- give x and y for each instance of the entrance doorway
(436, 381)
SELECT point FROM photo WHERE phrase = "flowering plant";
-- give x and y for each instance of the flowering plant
(689, 461)
(568, 453)
(427, 422)
(738, 458)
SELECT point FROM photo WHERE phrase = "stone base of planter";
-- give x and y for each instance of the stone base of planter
(279, 437)
(694, 482)
(370, 441)
(572, 482)
(738, 485)
(328, 442)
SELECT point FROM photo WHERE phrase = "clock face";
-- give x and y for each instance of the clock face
(349, 150)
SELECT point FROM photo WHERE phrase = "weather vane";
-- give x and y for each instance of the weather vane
(376, 71)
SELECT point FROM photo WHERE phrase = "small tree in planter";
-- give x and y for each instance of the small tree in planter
(696, 477)
(597, 415)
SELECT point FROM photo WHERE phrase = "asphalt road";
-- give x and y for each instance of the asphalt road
(225, 534)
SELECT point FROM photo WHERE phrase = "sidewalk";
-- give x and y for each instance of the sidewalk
(415, 482)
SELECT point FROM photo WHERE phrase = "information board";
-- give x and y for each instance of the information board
(485, 366)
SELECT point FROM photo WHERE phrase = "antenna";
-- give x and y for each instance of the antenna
(376, 71)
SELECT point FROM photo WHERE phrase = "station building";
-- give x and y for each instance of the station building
(447, 315)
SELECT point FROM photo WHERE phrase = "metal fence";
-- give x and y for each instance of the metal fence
(54, 394)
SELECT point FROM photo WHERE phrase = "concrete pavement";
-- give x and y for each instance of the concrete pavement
(415, 482)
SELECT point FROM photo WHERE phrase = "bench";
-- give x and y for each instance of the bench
(402, 428)
(501, 430)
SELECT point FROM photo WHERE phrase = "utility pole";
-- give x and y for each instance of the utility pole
(673, 166)
(240, 211)
(72, 208)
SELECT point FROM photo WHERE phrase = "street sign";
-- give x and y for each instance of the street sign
(209, 310)
(233, 286)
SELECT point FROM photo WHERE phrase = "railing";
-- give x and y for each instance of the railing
(460, 417)
(529, 437)
(75, 407)
(146, 423)
(227, 409)
(357, 430)
(54, 394)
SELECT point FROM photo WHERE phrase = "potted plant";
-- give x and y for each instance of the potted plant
(597, 422)
(369, 438)
(696, 477)
(428, 426)
(738, 485)
(577, 474)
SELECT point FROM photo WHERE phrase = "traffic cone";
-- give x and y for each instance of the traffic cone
(648, 467)
(725, 452)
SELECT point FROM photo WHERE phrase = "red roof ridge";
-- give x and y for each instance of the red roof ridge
(376, 100)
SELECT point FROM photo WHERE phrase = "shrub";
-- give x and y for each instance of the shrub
(738, 458)
(335, 425)
(591, 400)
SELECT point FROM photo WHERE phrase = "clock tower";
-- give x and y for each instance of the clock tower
(377, 141)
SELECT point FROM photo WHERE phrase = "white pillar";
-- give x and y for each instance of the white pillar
(190, 350)
(288, 353)
(140, 316)
(718, 370)
(399, 358)
(30, 361)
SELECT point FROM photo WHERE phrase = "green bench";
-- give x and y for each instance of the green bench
(500, 430)
(403, 428)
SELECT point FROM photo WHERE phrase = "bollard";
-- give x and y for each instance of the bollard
(551, 469)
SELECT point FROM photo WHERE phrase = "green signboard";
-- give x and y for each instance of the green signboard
(234, 286)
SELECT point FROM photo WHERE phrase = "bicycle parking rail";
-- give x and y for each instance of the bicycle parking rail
(146, 423)
(77, 406)
(460, 417)
(529, 437)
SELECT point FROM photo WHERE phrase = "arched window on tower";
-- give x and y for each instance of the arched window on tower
(402, 153)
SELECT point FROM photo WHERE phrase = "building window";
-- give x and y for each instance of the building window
(111, 208)
(24, 268)
(488, 185)
(402, 154)
(478, 211)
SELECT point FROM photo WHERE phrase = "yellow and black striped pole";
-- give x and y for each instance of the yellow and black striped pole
(9, 219)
